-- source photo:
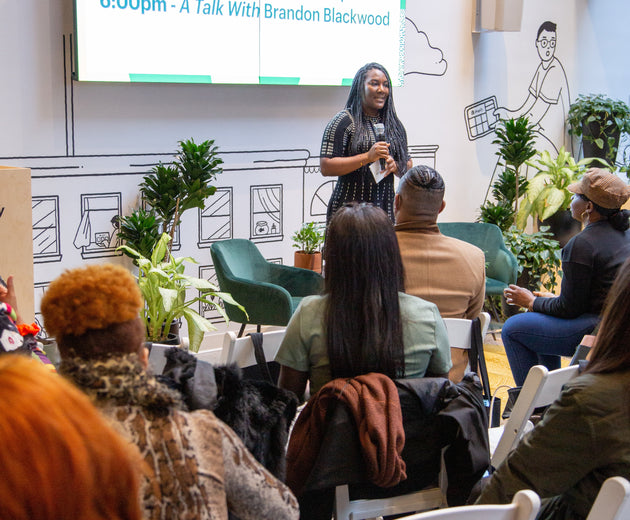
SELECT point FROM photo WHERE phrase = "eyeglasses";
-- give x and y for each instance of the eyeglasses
(544, 42)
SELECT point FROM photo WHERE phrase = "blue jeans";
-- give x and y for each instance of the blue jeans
(533, 338)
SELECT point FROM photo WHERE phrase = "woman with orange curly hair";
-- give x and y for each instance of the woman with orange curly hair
(199, 468)
(59, 458)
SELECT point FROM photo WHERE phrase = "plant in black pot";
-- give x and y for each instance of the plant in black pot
(599, 121)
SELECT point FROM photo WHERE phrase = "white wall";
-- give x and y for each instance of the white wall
(81, 140)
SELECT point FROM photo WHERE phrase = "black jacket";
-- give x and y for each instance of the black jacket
(436, 413)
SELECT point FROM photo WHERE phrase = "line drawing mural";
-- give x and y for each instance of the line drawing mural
(548, 96)
(215, 221)
(46, 234)
(96, 235)
(420, 56)
(266, 213)
(546, 105)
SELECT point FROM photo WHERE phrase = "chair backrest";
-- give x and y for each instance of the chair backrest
(237, 258)
(524, 506)
(430, 498)
(613, 501)
(241, 350)
(501, 264)
(541, 388)
(459, 333)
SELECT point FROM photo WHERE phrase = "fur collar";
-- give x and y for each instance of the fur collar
(120, 380)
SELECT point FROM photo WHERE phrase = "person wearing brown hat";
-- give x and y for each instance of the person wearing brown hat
(590, 261)
(196, 467)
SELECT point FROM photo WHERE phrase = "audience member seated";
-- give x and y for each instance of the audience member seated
(583, 437)
(363, 322)
(198, 467)
(443, 270)
(16, 335)
(60, 459)
(590, 261)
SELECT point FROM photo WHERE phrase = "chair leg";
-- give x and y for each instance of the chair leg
(242, 329)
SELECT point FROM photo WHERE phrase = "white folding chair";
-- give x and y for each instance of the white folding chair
(524, 506)
(459, 333)
(613, 501)
(541, 388)
(363, 508)
(241, 350)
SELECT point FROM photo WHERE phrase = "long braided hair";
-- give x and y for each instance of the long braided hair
(394, 130)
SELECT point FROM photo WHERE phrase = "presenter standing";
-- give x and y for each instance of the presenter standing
(365, 143)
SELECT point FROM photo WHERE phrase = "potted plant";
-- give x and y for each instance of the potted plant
(140, 231)
(599, 120)
(164, 284)
(501, 210)
(307, 240)
(547, 192)
(170, 190)
(515, 138)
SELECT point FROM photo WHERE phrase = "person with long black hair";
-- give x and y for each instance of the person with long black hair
(363, 322)
(350, 144)
(583, 438)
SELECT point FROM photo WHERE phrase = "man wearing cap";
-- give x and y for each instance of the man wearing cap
(590, 261)
(443, 270)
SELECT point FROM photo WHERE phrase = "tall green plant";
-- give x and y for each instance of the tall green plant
(140, 231)
(515, 138)
(501, 211)
(171, 190)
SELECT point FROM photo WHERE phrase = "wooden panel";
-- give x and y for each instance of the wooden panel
(16, 235)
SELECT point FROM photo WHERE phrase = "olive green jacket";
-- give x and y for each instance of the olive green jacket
(583, 439)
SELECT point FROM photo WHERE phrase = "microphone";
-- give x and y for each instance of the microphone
(379, 129)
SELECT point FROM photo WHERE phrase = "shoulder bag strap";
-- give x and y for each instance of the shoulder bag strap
(257, 341)
(477, 358)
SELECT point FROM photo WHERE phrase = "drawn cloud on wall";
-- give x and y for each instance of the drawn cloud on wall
(420, 56)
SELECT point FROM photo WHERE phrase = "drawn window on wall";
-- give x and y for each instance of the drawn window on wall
(96, 235)
(46, 242)
(215, 221)
(209, 312)
(319, 202)
(266, 213)
(40, 289)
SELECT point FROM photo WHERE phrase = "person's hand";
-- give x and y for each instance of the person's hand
(501, 113)
(544, 294)
(380, 149)
(390, 166)
(515, 295)
(7, 295)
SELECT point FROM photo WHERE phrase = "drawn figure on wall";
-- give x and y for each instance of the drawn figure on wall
(547, 103)
(365, 143)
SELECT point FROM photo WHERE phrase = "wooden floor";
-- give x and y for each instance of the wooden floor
(499, 371)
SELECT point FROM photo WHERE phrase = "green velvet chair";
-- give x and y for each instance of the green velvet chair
(269, 292)
(501, 264)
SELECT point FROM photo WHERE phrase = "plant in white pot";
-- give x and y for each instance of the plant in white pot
(164, 284)
(308, 239)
